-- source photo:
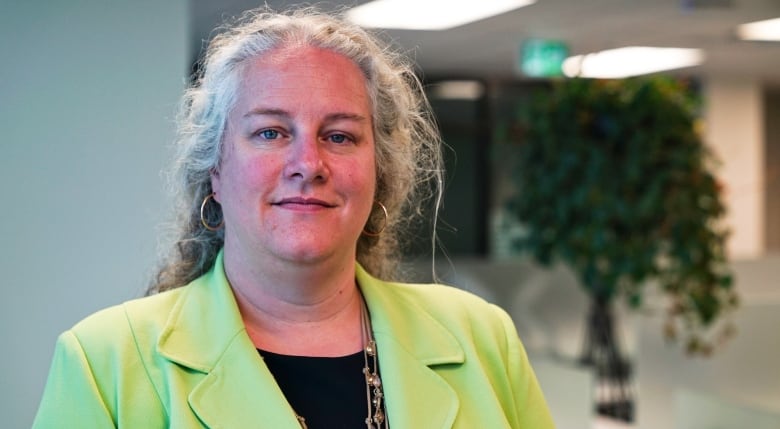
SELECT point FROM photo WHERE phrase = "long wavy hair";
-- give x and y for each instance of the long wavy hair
(407, 142)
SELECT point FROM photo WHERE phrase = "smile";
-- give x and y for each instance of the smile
(303, 203)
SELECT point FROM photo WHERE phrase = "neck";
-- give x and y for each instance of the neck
(298, 309)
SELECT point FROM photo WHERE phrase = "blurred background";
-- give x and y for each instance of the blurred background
(88, 96)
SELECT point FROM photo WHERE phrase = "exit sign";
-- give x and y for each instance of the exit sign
(542, 57)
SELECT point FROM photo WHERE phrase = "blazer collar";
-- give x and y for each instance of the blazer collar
(410, 342)
(396, 314)
(205, 333)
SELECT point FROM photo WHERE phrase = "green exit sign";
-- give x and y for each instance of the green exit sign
(542, 57)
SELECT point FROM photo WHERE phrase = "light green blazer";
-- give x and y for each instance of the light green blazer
(182, 359)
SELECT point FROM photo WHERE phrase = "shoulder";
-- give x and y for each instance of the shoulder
(101, 364)
(441, 298)
(413, 307)
(452, 305)
(124, 325)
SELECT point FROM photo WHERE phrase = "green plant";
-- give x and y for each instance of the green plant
(614, 180)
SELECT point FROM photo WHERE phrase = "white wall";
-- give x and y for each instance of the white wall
(734, 120)
(88, 90)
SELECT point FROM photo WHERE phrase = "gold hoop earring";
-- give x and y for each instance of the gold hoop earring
(203, 217)
(384, 224)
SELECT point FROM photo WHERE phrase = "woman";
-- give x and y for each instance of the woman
(305, 147)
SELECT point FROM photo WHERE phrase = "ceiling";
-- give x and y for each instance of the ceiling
(488, 48)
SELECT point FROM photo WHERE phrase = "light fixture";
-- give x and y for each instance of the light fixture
(630, 61)
(429, 14)
(768, 30)
(457, 90)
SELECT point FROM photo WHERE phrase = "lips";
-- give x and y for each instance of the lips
(303, 202)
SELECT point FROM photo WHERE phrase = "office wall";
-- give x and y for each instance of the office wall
(88, 90)
(734, 122)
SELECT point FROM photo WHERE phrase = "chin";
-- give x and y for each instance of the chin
(305, 254)
(311, 248)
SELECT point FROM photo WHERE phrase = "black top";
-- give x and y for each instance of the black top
(329, 392)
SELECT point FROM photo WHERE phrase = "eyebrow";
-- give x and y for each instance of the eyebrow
(331, 117)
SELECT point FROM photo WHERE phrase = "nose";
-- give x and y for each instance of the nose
(306, 161)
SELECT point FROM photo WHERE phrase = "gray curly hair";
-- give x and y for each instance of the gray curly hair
(407, 142)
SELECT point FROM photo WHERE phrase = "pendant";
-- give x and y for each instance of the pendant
(302, 421)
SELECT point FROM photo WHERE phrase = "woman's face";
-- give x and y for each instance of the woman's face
(297, 176)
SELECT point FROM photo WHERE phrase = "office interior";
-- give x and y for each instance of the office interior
(88, 97)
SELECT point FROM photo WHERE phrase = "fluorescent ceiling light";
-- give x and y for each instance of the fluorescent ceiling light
(768, 30)
(458, 90)
(630, 61)
(429, 14)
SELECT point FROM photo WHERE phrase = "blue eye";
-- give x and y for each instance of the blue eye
(269, 134)
(338, 138)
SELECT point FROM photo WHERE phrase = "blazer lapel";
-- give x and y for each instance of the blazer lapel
(240, 392)
(206, 334)
(411, 344)
(416, 397)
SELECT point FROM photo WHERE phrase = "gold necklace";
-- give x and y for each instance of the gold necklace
(376, 417)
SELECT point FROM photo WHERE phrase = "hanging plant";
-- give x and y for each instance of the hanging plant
(613, 179)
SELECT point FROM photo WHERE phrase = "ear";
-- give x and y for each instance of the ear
(216, 184)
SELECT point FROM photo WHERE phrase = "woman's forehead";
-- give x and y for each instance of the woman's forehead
(303, 77)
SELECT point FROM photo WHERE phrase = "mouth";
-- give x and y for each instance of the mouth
(303, 202)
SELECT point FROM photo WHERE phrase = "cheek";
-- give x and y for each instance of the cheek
(258, 173)
(249, 175)
(362, 175)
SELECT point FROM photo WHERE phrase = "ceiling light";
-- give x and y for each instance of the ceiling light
(458, 90)
(429, 14)
(768, 30)
(630, 61)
